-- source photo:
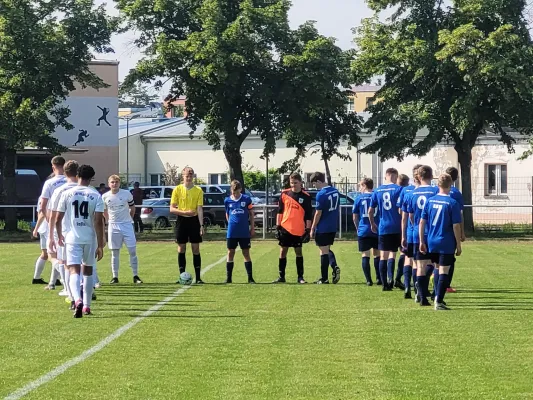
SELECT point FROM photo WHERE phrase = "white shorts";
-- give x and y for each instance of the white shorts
(120, 233)
(43, 241)
(81, 254)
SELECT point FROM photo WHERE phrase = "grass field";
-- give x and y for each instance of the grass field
(239, 341)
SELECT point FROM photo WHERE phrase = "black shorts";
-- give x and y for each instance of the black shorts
(188, 230)
(288, 240)
(367, 243)
(325, 239)
(409, 251)
(244, 244)
(445, 260)
(418, 256)
(390, 242)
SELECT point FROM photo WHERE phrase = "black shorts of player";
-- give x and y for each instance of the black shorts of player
(446, 260)
(244, 244)
(409, 251)
(288, 240)
(367, 243)
(325, 239)
(418, 256)
(389, 242)
(188, 230)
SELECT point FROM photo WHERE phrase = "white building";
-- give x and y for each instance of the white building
(498, 178)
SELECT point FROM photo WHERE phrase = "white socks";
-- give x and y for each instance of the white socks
(39, 267)
(88, 287)
(75, 282)
(134, 261)
(67, 284)
(54, 275)
(95, 275)
(61, 270)
(115, 260)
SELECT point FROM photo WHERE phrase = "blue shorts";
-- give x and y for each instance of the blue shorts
(390, 242)
(243, 243)
(367, 243)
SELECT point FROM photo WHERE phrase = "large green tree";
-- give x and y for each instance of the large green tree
(45, 47)
(317, 119)
(136, 96)
(223, 56)
(456, 70)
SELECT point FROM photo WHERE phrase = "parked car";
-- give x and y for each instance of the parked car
(226, 189)
(28, 186)
(156, 192)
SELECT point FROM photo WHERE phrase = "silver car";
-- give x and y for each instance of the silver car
(156, 214)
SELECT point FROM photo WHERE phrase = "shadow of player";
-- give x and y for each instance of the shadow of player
(81, 136)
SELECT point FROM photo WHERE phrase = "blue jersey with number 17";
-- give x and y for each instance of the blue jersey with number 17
(441, 213)
(387, 198)
(328, 201)
(360, 207)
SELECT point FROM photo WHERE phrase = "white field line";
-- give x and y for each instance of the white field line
(30, 387)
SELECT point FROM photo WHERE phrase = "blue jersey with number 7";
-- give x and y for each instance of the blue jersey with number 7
(387, 198)
(328, 201)
(441, 213)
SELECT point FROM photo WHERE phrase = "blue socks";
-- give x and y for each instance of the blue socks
(390, 268)
(450, 274)
(407, 272)
(332, 259)
(444, 282)
(436, 276)
(383, 271)
(400, 271)
(366, 269)
(376, 268)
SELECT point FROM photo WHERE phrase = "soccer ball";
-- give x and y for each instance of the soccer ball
(185, 278)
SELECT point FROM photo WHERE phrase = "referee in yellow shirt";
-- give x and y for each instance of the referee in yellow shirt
(187, 203)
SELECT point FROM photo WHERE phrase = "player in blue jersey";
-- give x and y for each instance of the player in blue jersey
(407, 234)
(403, 182)
(386, 198)
(368, 240)
(325, 225)
(458, 197)
(241, 229)
(442, 217)
(416, 204)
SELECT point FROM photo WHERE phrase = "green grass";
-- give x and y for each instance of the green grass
(274, 341)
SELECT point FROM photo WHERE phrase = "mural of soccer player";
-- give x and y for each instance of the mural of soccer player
(105, 111)
(81, 136)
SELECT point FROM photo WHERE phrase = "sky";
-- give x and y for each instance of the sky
(333, 18)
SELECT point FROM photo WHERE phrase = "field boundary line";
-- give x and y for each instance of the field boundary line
(50, 376)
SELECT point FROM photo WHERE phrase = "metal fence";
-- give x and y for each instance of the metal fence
(488, 219)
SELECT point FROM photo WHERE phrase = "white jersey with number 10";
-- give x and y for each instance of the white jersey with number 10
(79, 205)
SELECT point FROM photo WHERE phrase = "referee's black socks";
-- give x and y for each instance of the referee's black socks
(197, 262)
(282, 267)
(182, 262)
(300, 267)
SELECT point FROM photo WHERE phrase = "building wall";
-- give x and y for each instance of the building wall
(100, 147)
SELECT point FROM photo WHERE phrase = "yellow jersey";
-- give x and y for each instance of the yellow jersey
(187, 199)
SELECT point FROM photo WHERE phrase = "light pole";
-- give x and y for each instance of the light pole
(128, 118)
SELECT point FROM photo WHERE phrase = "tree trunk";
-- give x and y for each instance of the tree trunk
(232, 151)
(328, 173)
(464, 155)
(8, 160)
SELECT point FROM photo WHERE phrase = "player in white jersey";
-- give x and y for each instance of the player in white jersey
(40, 231)
(49, 187)
(82, 209)
(71, 170)
(119, 212)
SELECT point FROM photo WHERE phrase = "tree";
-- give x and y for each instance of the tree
(41, 57)
(222, 55)
(318, 119)
(455, 71)
(135, 96)
(172, 175)
(255, 179)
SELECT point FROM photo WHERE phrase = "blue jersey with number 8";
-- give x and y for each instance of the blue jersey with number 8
(387, 198)
(328, 201)
(441, 212)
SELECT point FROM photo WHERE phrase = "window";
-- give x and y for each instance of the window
(218, 179)
(307, 179)
(152, 193)
(168, 193)
(157, 179)
(495, 180)
(350, 104)
(370, 101)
